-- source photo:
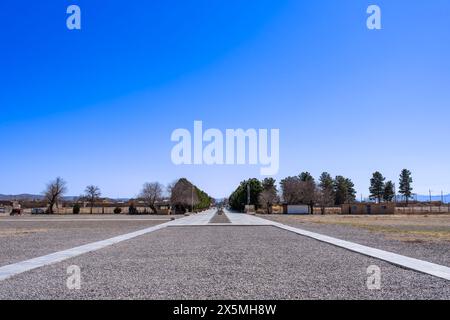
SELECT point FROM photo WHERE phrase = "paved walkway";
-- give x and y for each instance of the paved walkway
(236, 219)
(397, 259)
(247, 219)
(27, 265)
(196, 219)
(222, 262)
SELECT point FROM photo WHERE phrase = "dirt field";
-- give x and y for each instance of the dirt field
(408, 228)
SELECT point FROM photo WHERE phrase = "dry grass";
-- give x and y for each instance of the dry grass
(417, 228)
(19, 232)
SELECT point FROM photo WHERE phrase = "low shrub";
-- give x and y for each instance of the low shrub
(132, 209)
(76, 208)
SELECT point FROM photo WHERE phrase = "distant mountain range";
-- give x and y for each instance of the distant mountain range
(27, 196)
(423, 198)
(24, 196)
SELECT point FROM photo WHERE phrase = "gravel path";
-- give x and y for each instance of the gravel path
(437, 252)
(215, 262)
(22, 240)
(220, 218)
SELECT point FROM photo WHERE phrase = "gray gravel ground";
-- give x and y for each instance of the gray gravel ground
(220, 218)
(218, 262)
(437, 252)
(22, 240)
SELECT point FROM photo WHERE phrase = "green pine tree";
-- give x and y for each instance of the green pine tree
(389, 192)
(377, 186)
(326, 181)
(405, 186)
(344, 190)
(306, 177)
(238, 198)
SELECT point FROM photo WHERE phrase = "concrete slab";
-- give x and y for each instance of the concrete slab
(20, 267)
(394, 258)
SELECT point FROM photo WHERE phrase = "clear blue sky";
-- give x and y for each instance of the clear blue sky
(97, 106)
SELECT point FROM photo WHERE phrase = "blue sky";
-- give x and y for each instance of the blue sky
(98, 106)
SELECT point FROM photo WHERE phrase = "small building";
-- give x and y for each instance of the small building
(296, 209)
(283, 209)
(163, 207)
(368, 208)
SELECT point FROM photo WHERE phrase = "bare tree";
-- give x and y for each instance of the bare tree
(151, 193)
(92, 195)
(267, 198)
(269, 194)
(54, 192)
(308, 194)
(170, 187)
(296, 190)
(290, 188)
(325, 198)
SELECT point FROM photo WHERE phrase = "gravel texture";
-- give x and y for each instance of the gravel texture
(220, 218)
(432, 251)
(22, 240)
(223, 262)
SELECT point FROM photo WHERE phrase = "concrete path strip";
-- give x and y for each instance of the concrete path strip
(197, 219)
(20, 267)
(394, 258)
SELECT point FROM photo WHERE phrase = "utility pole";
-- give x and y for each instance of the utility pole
(395, 194)
(430, 200)
(192, 198)
(248, 194)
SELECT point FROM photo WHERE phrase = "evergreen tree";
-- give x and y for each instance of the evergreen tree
(326, 181)
(377, 186)
(389, 192)
(269, 184)
(351, 192)
(344, 190)
(306, 177)
(405, 187)
(238, 198)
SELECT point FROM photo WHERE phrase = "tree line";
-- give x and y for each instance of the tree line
(181, 194)
(385, 191)
(303, 189)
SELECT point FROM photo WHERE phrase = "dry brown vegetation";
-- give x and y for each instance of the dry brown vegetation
(410, 228)
(19, 232)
